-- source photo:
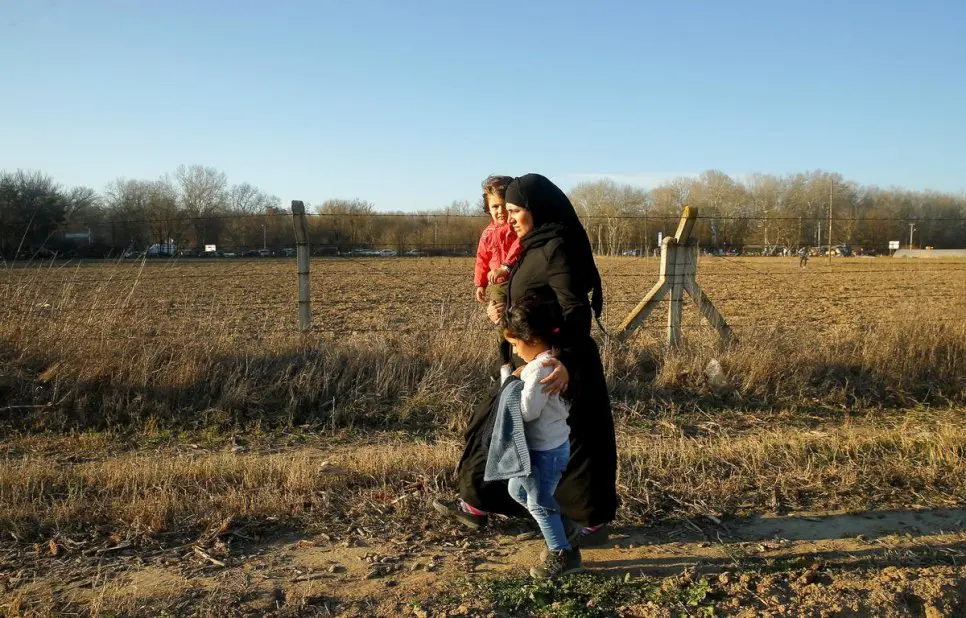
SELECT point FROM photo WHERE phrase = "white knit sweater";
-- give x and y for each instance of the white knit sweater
(544, 416)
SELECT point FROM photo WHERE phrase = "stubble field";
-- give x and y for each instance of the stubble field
(165, 425)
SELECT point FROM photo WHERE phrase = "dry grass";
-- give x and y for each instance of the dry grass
(196, 344)
(683, 466)
(141, 494)
(828, 379)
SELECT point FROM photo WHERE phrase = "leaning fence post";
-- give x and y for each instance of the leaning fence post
(302, 255)
(679, 269)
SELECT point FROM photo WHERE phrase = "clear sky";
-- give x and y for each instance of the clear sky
(410, 103)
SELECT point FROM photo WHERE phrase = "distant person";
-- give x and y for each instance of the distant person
(803, 257)
(498, 251)
(531, 327)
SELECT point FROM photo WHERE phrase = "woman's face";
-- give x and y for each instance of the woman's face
(520, 219)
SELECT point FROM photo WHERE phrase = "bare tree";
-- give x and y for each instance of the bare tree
(204, 198)
(349, 222)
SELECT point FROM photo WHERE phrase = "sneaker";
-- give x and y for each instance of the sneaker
(557, 564)
(572, 530)
(454, 509)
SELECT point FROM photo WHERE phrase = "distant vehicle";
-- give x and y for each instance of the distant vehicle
(168, 249)
(413, 253)
(229, 254)
(288, 252)
(265, 253)
(211, 254)
(189, 253)
(842, 250)
(388, 253)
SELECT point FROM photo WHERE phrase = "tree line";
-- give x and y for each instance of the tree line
(195, 206)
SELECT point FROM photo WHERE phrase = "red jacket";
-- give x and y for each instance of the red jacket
(498, 245)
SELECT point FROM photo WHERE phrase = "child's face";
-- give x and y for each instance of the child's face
(527, 350)
(497, 208)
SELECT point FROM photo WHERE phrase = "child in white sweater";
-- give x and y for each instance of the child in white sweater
(529, 326)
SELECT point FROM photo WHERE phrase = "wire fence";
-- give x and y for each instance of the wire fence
(371, 234)
(169, 299)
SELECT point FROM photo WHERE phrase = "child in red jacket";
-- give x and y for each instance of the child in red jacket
(499, 246)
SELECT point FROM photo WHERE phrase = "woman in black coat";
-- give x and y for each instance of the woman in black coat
(556, 264)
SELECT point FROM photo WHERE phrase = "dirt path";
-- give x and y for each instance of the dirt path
(877, 564)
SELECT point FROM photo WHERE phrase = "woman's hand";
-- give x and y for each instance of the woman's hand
(494, 275)
(480, 294)
(494, 311)
(558, 379)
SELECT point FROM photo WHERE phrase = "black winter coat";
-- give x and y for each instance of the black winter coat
(587, 492)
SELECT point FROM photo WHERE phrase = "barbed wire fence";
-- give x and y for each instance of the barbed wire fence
(364, 288)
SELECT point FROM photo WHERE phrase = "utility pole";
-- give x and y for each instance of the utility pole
(830, 222)
(912, 228)
(264, 237)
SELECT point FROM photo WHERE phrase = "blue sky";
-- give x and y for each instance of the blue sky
(410, 104)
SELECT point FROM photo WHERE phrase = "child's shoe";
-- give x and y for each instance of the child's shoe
(573, 531)
(557, 564)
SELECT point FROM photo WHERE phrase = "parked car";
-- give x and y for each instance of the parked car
(288, 252)
(265, 253)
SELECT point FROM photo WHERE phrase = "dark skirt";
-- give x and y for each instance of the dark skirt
(587, 493)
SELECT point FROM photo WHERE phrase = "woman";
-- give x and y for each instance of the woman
(557, 265)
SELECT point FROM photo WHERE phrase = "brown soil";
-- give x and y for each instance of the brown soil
(902, 563)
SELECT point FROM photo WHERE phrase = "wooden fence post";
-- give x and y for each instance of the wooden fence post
(679, 269)
(302, 257)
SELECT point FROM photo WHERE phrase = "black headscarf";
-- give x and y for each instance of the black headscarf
(554, 216)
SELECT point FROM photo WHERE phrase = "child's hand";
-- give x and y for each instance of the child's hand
(480, 294)
(494, 275)
(518, 371)
(494, 311)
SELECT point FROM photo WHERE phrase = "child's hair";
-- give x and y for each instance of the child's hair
(532, 318)
(496, 186)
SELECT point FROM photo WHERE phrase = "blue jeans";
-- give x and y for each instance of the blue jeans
(535, 492)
